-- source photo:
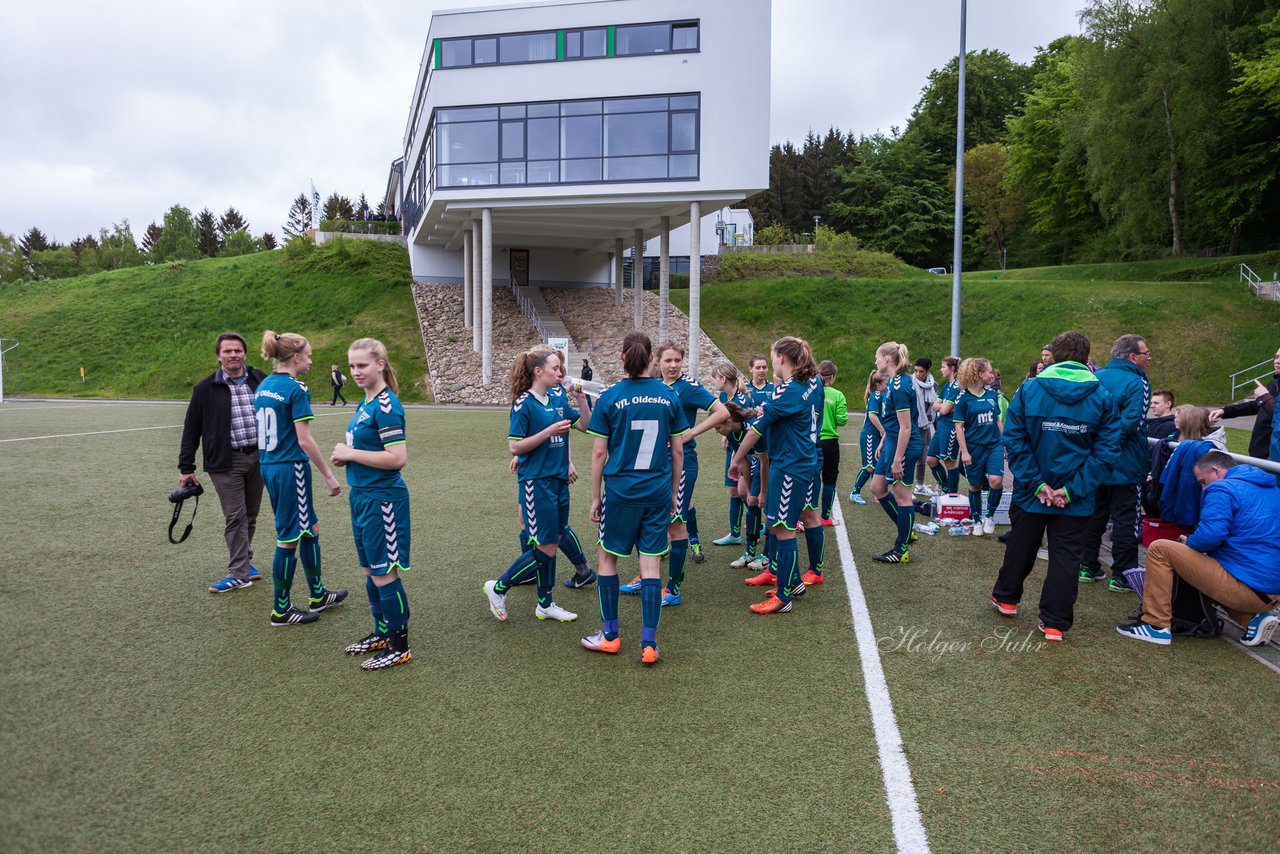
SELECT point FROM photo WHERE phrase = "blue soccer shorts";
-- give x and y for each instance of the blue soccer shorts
(624, 527)
(987, 462)
(289, 485)
(788, 497)
(544, 508)
(756, 471)
(381, 530)
(867, 442)
(884, 465)
(688, 479)
(943, 445)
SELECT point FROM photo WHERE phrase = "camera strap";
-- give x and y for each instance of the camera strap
(177, 511)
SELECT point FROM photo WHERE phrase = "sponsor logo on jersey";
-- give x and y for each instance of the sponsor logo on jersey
(263, 392)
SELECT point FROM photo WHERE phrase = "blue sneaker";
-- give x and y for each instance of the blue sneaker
(1145, 632)
(857, 498)
(632, 586)
(254, 575)
(1260, 629)
(228, 584)
(728, 540)
(669, 598)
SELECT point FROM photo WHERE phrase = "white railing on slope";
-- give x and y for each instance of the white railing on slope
(1262, 290)
(1246, 376)
(530, 311)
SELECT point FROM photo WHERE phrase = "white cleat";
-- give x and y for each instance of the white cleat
(988, 525)
(759, 564)
(977, 529)
(742, 561)
(497, 601)
(555, 612)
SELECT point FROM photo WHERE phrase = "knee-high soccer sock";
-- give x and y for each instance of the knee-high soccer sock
(975, 504)
(309, 553)
(395, 609)
(771, 551)
(679, 552)
(828, 498)
(607, 590)
(953, 479)
(890, 507)
(788, 568)
(282, 569)
(815, 540)
(753, 528)
(692, 525)
(546, 570)
(375, 606)
(572, 548)
(524, 568)
(994, 494)
(735, 516)
(939, 474)
(905, 515)
(863, 477)
(650, 610)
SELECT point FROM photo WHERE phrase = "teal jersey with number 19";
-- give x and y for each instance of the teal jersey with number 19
(638, 417)
(280, 402)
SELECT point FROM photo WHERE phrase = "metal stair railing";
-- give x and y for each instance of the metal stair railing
(549, 326)
(1246, 376)
(1262, 290)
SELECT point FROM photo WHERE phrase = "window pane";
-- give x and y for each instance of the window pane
(684, 131)
(513, 173)
(476, 175)
(486, 51)
(683, 37)
(469, 142)
(544, 138)
(636, 133)
(580, 136)
(593, 42)
(455, 53)
(648, 38)
(513, 112)
(635, 105)
(580, 108)
(684, 166)
(469, 114)
(513, 140)
(580, 170)
(684, 102)
(573, 44)
(635, 168)
(530, 47)
(539, 110)
(544, 171)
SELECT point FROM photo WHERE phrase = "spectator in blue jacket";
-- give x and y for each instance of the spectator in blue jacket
(1062, 435)
(1233, 557)
(1119, 496)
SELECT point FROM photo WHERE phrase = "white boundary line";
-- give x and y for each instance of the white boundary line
(900, 794)
(95, 433)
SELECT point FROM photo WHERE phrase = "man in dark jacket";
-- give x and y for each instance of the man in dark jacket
(1160, 415)
(1261, 404)
(1233, 557)
(220, 417)
(1118, 501)
(1063, 436)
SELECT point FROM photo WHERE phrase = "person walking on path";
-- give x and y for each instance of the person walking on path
(337, 380)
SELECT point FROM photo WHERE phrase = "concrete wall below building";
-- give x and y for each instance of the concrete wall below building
(548, 268)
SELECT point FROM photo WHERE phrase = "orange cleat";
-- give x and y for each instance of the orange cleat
(597, 643)
(764, 579)
(811, 578)
(828, 522)
(649, 655)
(771, 605)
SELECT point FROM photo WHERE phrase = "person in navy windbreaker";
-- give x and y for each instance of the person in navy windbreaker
(1062, 435)
(1233, 556)
(1119, 496)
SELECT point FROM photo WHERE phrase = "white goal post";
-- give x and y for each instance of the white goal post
(6, 344)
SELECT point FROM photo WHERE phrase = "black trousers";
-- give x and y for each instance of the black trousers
(337, 395)
(1120, 506)
(1062, 582)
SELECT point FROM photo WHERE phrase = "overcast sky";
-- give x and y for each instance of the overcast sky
(119, 110)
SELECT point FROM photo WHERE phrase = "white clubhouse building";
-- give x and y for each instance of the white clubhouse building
(543, 138)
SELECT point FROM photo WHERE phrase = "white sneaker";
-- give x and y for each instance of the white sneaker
(988, 525)
(742, 561)
(555, 612)
(759, 564)
(977, 529)
(497, 601)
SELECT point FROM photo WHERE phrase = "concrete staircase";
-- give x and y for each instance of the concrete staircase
(549, 326)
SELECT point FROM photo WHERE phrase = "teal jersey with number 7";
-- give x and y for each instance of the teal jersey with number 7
(638, 417)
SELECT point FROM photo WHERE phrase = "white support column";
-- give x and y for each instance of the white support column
(477, 321)
(617, 271)
(637, 278)
(695, 284)
(467, 285)
(486, 265)
(664, 276)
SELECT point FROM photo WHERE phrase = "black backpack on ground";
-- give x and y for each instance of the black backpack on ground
(1195, 615)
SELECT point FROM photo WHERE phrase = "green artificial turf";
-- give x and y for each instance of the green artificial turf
(140, 712)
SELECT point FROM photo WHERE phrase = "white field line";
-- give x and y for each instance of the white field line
(124, 430)
(900, 793)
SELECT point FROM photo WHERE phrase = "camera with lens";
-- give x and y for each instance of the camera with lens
(182, 493)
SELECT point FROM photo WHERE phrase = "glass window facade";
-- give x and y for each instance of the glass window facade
(569, 44)
(644, 138)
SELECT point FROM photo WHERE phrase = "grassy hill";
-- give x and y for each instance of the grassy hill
(149, 331)
(1199, 321)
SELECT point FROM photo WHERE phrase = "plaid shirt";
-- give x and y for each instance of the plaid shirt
(244, 428)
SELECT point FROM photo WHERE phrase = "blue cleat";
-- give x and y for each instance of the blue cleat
(633, 586)
(228, 584)
(669, 598)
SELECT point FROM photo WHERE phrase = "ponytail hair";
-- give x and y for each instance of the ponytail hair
(902, 359)
(378, 351)
(873, 379)
(728, 372)
(827, 371)
(737, 413)
(520, 378)
(637, 352)
(970, 373)
(282, 347)
(798, 352)
(951, 362)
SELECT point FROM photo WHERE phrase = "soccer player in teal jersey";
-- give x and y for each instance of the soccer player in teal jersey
(759, 389)
(978, 435)
(943, 457)
(282, 407)
(683, 530)
(895, 468)
(731, 390)
(793, 419)
(538, 437)
(374, 454)
(871, 437)
(636, 463)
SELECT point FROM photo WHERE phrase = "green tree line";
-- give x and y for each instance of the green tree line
(1154, 132)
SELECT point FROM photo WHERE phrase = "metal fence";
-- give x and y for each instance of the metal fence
(1265, 465)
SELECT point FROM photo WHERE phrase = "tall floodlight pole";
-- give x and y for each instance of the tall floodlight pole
(959, 219)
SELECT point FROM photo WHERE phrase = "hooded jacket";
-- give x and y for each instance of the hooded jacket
(1131, 394)
(1061, 430)
(1240, 527)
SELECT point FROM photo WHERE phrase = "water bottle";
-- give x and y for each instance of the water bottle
(927, 528)
(573, 385)
(962, 529)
